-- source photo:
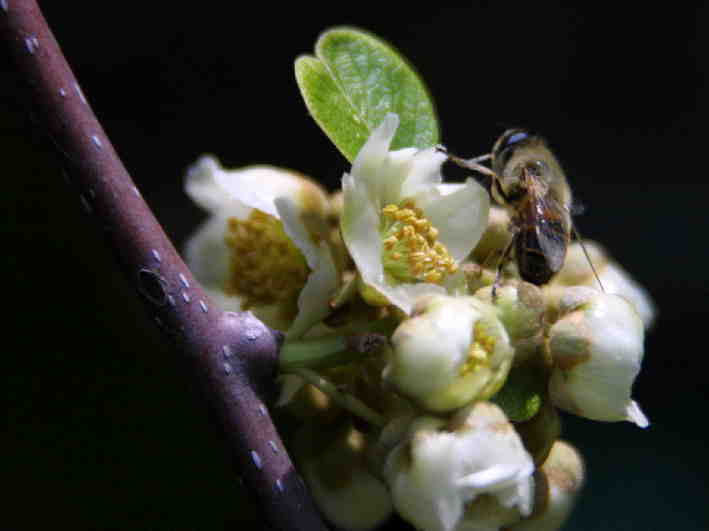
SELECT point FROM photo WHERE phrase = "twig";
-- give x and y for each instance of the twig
(234, 355)
(345, 400)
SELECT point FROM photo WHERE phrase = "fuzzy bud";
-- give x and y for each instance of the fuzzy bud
(557, 484)
(332, 461)
(520, 307)
(596, 347)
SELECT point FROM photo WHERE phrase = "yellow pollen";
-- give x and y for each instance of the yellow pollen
(480, 350)
(390, 242)
(265, 266)
(411, 251)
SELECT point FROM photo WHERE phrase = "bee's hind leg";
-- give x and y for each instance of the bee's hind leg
(503, 261)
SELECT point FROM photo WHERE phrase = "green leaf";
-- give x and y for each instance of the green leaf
(522, 395)
(354, 81)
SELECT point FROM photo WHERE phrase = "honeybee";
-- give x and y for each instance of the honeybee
(525, 176)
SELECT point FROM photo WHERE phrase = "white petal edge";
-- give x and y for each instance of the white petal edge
(373, 154)
(424, 171)
(290, 214)
(636, 416)
(404, 296)
(314, 298)
(259, 186)
(201, 186)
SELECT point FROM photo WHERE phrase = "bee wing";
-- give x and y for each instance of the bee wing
(552, 231)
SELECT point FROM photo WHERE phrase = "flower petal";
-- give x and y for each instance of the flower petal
(293, 225)
(373, 154)
(441, 470)
(459, 212)
(259, 186)
(394, 173)
(424, 171)
(202, 187)
(314, 298)
(360, 225)
(322, 282)
(207, 255)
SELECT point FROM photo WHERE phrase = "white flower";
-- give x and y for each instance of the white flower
(451, 351)
(405, 230)
(264, 247)
(596, 347)
(438, 475)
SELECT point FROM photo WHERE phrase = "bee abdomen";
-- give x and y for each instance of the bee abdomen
(535, 263)
(532, 264)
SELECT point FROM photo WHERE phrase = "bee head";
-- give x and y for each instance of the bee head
(506, 145)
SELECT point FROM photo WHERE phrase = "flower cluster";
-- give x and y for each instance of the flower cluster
(410, 385)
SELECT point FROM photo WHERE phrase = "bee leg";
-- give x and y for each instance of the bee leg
(503, 261)
(488, 176)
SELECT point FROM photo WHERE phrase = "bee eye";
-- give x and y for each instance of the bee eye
(536, 167)
(505, 146)
(512, 137)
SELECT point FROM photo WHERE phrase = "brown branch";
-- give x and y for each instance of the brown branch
(233, 355)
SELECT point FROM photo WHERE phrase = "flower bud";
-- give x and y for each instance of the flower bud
(540, 433)
(333, 463)
(467, 472)
(596, 347)
(520, 307)
(557, 485)
(452, 351)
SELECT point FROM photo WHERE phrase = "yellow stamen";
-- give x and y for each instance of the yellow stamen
(265, 265)
(480, 351)
(411, 252)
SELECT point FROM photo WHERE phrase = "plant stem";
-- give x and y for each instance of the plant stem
(347, 401)
(234, 356)
(328, 351)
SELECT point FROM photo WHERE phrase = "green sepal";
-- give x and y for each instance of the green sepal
(522, 395)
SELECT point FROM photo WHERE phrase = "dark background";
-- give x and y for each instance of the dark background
(103, 428)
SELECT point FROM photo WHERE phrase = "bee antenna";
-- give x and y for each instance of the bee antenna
(585, 253)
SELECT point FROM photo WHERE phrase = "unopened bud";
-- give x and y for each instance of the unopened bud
(334, 467)
(520, 307)
(596, 347)
(557, 484)
(540, 432)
